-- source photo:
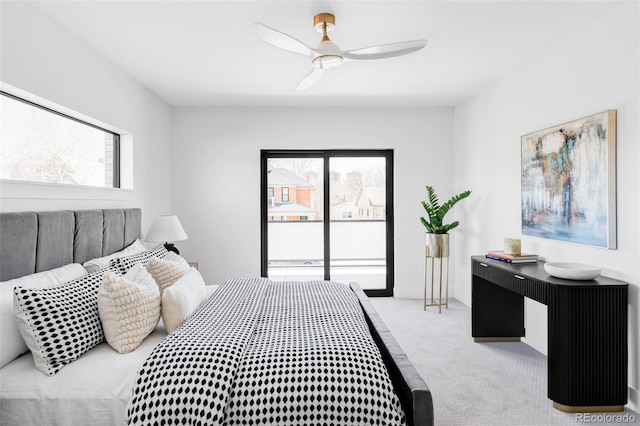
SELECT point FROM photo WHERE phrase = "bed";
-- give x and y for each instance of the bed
(97, 387)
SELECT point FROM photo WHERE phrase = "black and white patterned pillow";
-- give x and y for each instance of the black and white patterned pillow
(60, 323)
(123, 264)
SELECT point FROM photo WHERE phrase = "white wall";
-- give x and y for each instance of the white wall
(216, 186)
(594, 70)
(205, 166)
(42, 58)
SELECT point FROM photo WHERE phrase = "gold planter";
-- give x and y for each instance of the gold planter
(436, 247)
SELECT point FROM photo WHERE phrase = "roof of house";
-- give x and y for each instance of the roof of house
(346, 206)
(291, 209)
(374, 194)
(284, 177)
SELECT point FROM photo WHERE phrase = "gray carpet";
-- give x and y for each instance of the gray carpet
(474, 383)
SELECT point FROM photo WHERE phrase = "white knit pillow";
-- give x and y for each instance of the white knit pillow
(166, 272)
(182, 299)
(129, 308)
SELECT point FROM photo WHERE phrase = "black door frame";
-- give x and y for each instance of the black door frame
(326, 154)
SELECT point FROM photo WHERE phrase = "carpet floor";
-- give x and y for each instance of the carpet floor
(477, 383)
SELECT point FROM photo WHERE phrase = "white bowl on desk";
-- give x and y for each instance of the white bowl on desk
(571, 271)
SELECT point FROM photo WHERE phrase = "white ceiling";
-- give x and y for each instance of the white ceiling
(203, 52)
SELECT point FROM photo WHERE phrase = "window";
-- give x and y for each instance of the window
(270, 197)
(336, 225)
(39, 144)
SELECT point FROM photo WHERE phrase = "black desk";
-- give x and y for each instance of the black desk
(587, 329)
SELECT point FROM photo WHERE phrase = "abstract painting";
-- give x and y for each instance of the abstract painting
(569, 181)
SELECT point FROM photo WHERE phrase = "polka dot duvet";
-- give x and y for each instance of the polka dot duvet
(268, 353)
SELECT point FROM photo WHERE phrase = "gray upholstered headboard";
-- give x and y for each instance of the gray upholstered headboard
(38, 241)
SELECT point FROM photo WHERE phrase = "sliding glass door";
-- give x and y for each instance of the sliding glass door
(328, 215)
(294, 215)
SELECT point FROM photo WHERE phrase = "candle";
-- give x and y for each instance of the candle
(512, 246)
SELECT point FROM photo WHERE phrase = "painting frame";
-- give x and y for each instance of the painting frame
(568, 181)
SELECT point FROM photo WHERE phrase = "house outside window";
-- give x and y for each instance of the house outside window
(290, 195)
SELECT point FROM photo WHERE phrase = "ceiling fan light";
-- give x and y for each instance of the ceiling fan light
(327, 61)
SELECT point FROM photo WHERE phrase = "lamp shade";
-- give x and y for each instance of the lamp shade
(166, 228)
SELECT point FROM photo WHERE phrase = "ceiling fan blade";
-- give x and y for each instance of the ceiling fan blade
(310, 79)
(384, 50)
(281, 40)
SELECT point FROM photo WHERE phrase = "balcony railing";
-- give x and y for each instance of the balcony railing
(358, 251)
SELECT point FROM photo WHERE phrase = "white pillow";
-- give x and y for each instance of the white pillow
(11, 342)
(129, 308)
(174, 257)
(182, 299)
(102, 262)
(166, 272)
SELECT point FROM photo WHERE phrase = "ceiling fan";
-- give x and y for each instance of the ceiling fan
(327, 54)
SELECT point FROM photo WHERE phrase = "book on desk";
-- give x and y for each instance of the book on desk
(512, 258)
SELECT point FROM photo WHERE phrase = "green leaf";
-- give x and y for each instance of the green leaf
(436, 212)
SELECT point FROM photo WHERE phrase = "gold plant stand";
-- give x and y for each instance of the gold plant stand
(436, 247)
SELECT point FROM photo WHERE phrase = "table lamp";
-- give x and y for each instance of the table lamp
(167, 228)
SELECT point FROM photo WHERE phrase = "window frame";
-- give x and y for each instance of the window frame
(326, 154)
(20, 189)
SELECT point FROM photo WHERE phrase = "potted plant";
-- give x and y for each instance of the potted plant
(437, 237)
